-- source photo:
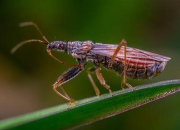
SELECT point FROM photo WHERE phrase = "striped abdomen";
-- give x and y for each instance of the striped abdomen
(136, 70)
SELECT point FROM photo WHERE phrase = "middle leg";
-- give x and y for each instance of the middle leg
(91, 70)
(100, 78)
(102, 81)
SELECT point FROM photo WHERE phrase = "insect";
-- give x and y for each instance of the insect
(126, 61)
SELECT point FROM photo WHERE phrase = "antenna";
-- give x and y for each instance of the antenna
(36, 40)
(24, 42)
(37, 28)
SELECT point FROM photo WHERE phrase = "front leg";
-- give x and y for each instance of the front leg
(66, 76)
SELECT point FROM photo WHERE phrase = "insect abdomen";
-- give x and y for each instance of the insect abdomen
(144, 71)
(134, 70)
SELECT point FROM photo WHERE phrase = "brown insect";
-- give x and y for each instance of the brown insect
(126, 61)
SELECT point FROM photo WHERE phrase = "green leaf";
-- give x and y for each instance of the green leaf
(92, 109)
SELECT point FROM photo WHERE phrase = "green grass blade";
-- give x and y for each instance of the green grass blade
(92, 109)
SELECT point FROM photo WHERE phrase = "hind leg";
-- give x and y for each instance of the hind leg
(122, 45)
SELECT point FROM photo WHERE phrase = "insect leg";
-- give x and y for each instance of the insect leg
(125, 83)
(101, 80)
(90, 70)
(122, 43)
(66, 76)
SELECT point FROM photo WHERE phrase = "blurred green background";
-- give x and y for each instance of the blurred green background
(26, 77)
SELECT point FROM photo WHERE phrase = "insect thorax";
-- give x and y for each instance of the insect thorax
(79, 49)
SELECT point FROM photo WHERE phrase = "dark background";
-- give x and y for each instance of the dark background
(26, 77)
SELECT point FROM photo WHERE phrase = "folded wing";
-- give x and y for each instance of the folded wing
(132, 54)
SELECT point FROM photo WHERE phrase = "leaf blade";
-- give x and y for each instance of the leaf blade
(92, 109)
